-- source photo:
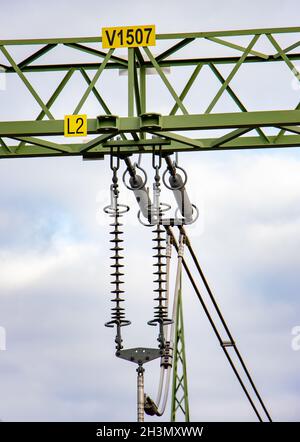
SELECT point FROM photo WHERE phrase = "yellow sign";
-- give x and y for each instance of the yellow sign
(128, 36)
(75, 126)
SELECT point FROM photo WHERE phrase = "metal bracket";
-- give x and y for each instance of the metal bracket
(139, 355)
(107, 123)
(150, 121)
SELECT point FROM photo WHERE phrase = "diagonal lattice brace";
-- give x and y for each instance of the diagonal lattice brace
(174, 49)
(98, 140)
(237, 47)
(38, 54)
(235, 98)
(44, 143)
(96, 52)
(187, 87)
(93, 81)
(165, 80)
(26, 82)
(230, 136)
(288, 49)
(8, 149)
(52, 99)
(284, 56)
(231, 75)
(176, 137)
(95, 92)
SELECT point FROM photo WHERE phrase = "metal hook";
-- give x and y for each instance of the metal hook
(157, 176)
(153, 157)
(116, 167)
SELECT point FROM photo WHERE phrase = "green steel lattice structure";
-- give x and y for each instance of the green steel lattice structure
(180, 397)
(141, 124)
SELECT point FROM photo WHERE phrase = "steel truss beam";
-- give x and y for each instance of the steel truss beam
(166, 135)
(135, 132)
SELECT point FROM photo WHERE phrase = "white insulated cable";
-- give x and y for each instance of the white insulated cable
(173, 325)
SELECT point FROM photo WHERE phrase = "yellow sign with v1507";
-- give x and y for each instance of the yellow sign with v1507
(128, 36)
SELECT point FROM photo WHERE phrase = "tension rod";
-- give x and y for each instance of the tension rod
(170, 165)
(130, 167)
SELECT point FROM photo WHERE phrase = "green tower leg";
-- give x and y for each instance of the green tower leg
(180, 398)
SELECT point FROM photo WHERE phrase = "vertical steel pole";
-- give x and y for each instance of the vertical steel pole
(130, 82)
(140, 394)
(143, 94)
(143, 88)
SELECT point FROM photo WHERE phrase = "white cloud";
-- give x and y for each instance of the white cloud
(21, 269)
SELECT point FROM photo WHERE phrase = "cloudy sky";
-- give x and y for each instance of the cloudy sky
(59, 361)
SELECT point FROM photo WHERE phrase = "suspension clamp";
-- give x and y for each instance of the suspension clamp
(169, 247)
(181, 246)
(167, 358)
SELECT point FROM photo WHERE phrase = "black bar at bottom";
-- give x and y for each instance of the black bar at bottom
(92, 431)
